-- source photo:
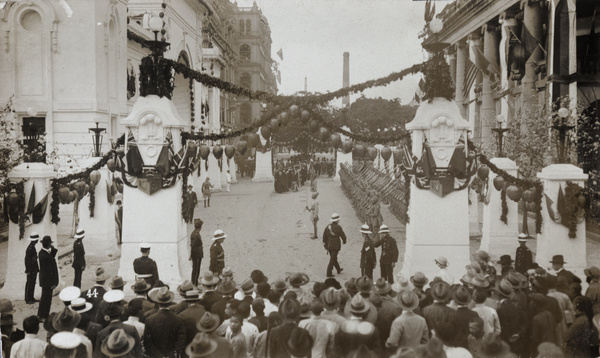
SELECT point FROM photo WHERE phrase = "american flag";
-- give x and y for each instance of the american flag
(471, 72)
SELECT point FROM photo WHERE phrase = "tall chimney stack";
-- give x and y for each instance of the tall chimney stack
(305, 85)
(346, 78)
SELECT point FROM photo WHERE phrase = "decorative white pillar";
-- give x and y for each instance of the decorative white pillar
(554, 239)
(495, 232)
(264, 165)
(152, 214)
(439, 218)
(342, 157)
(38, 174)
(214, 172)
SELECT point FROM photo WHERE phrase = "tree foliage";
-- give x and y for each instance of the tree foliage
(378, 115)
(11, 153)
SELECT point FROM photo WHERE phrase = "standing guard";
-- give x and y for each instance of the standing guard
(78, 257)
(31, 267)
(389, 253)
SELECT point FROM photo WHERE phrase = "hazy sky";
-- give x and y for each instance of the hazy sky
(380, 35)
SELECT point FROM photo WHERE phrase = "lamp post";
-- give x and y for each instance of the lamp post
(158, 48)
(562, 128)
(500, 130)
(97, 139)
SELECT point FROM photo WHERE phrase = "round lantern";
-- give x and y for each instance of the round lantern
(229, 151)
(192, 146)
(529, 195)
(111, 165)
(313, 125)
(80, 188)
(359, 151)
(13, 199)
(294, 111)
(242, 146)
(305, 115)
(372, 153)
(265, 131)
(274, 124)
(397, 152)
(336, 140)
(86, 190)
(95, 177)
(513, 193)
(217, 151)
(63, 194)
(324, 133)
(285, 117)
(386, 153)
(498, 183)
(347, 146)
(204, 151)
(483, 172)
(253, 140)
(73, 196)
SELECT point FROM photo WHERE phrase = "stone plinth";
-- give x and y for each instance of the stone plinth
(474, 221)
(38, 174)
(554, 239)
(341, 157)
(264, 167)
(101, 241)
(496, 233)
(214, 172)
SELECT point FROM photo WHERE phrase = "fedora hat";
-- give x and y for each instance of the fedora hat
(300, 342)
(332, 282)
(419, 279)
(34, 236)
(331, 298)
(514, 278)
(482, 256)
(219, 234)
(209, 279)
(440, 291)
(402, 283)
(358, 305)
(66, 320)
(522, 237)
(101, 275)
(247, 285)
(113, 296)
(162, 295)
(384, 229)
(191, 295)
(47, 240)
(593, 272)
(480, 281)
(505, 260)
(290, 308)
(505, 289)
(185, 286)
(279, 285)
(208, 323)
(364, 284)
(80, 305)
(335, 217)
(117, 344)
(492, 346)
(408, 300)
(227, 272)
(80, 234)
(6, 307)
(467, 279)
(227, 286)
(117, 283)
(382, 287)
(350, 285)
(558, 259)
(65, 340)
(201, 346)
(441, 261)
(364, 229)
(258, 276)
(461, 296)
(69, 293)
(140, 286)
(298, 279)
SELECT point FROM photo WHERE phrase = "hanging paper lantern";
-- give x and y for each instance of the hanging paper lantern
(63, 194)
(336, 140)
(192, 146)
(284, 117)
(274, 124)
(229, 151)
(111, 165)
(324, 133)
(80, 188)
(253, 140)
(313, 125)
(13, 199)
(73, 196)
(294, 111)
(242, 146)
(204, 151)
(529, 196)
(386, 153)
(498, 183)
(305, 116)
(372, 153)
(265, 131)
(483, 172)
(397, 152)
(359, 151)
(95, 177)
(217, 151)
(513, 193)
(581, 200)
(347, 146)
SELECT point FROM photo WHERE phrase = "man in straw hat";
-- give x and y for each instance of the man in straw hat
(389, 253)
(438, 311)
(94, 294)
(192, 314)
(64, 345)
(217, 254)
(389, 308)
(48, 276)
(523, 256)
(78, 256)
(290, 312)
(462, 298)
(408, 329)
(368, 259)
(145, 267)
(114, 310)
(209, 297)
(31, 267)
(355, 331)
(165, 331)
(333, 236)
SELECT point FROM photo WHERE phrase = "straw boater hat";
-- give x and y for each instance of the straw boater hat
(191, 295)
(185, 286)
(209, 279)
(247, 285)
(162, 295)
(69, 293)
(364, 229)
(522, 237)
(219, 234)
(117, 344)
(208, 323)
(80, 234)
(227, 272)
(113, 296)
(34, 236)
(335, 217)
(65, 340)
(80, 305)
(201, 346)
(145, 245)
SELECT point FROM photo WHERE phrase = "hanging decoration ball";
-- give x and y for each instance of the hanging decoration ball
(436, 25)
(347, 146)
(563, 112)
(73, 196)
(581, 200)
(397, 152)
(324, 133)
(63, 194)
(294, 111)
(529, 196)
(242, 146)
(483, 172)
(192, 146)
(95, 177)
(305, 116)
(274, 123)
(386, 153)
(265, 131)
(80, 188)
(229, 151)
(111, 165)
(313, 125)
(253, 140)
(204, 151)
(217, 151)
(336, 140)
(498, 183)
(513, 193)
(285, 117)
(359, 151)
(372, 153)
(87, 190)
(13, 199)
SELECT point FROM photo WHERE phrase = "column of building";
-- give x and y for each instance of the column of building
(474, 40)
(508, 23)
(488, 103)
(532, 22)
(460, 76)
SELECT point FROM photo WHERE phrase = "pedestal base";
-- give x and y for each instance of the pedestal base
(264, 168)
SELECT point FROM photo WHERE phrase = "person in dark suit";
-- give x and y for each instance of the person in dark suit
(513, 318)
(48, 276)
(192, 314)
(389, 253)
(31, 267)
(164, 334)
(95, 293)
(196, 250)
(277, 341)
(558, 262)
(460, 320)
(209, 296)
(114, 311)
(368, 259)
(333, 236)
(78, 257)
(144, 267)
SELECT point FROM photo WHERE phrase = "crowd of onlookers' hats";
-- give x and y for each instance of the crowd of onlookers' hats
(532, 314)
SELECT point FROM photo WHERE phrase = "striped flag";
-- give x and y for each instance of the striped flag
(471, 72)
(488, 68)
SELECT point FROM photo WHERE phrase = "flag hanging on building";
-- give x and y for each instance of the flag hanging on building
(471, 72)
(485, 66)
(530, 42)
(280, 53)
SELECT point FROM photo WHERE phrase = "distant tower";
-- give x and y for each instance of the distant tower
(346, 78)
(305, 85)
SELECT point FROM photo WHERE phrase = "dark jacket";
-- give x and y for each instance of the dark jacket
(78, 255)
(217, 257)
(277, 344)
(389, 250)
(513, 320)
(31, 259)
(196, 250)
(48, 269)
(164, 334)
(333, 235)
(523, 259)
(113, 326)
(367, 254)
(209, 298)
(460, 321)
(94, 296)
(543, 329)
(190, 317)
(145, 266)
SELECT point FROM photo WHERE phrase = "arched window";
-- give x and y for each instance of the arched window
(30, 56)
(246, 113)
(241, 26)
(248, 26)
(245, 52)
(246, 80)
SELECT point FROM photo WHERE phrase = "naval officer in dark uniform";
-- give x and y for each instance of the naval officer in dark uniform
(31, 267)
(78, 257)
(144, 267)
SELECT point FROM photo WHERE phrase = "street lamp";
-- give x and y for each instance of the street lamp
(97, 139)
(562, 128)
(500, 130)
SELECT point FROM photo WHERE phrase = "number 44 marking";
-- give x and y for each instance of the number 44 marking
(91, 293)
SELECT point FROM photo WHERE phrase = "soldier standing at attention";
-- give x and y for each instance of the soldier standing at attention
(523, 257)
(389, 253)
(332, 236)
(368, 259)
(31, 267)
(217, 254)
(196, 250)
(144, 267)
(78, 257)
(206, 186)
